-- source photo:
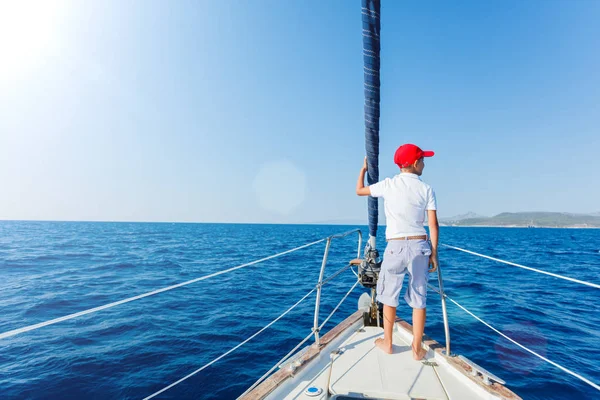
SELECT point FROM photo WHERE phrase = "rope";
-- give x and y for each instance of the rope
(338, 306)
(594, 285)
(232, 349)
(592, 384)
(141, 296)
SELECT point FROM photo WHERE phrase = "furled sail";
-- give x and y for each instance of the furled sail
(371, 26)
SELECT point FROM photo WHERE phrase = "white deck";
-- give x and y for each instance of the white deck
(364, 371)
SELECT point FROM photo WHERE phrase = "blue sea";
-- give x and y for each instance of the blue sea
(51, 269)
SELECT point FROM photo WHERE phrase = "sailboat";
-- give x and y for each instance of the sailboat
(344, 362)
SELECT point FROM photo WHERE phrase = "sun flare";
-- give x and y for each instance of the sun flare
(28, 31)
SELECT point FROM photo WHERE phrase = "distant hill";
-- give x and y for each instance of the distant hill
(456, 218)
(534, 219)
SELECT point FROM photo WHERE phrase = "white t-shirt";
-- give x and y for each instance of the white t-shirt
(406, 198)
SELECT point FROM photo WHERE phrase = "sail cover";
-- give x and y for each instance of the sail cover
(371, 26)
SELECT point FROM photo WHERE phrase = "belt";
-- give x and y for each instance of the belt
(422, 237)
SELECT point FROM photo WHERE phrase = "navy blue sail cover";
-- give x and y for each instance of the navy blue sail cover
(371, 26)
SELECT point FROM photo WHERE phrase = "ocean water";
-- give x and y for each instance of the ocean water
(50, 269)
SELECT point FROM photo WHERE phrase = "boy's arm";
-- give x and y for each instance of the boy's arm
(434, 232)
(361, 190)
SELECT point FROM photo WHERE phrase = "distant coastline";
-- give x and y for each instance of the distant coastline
(536, 219)
(521, 226)
(526, 220)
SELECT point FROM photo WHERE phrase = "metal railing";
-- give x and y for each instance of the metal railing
(316, 328)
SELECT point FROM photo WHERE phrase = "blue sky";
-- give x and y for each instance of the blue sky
(236, 111)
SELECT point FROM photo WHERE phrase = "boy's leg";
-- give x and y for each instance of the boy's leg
(418, 322)
(416, 293)
(389, 316)
(389, 285)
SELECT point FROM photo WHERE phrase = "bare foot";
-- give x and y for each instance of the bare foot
(418, 352)
(383, 346)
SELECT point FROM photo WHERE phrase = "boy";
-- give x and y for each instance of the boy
(406, 198)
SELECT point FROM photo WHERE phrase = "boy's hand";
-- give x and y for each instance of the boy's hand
(433, 261)
(364, 167)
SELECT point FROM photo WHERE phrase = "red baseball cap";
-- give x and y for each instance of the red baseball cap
(407, 154)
